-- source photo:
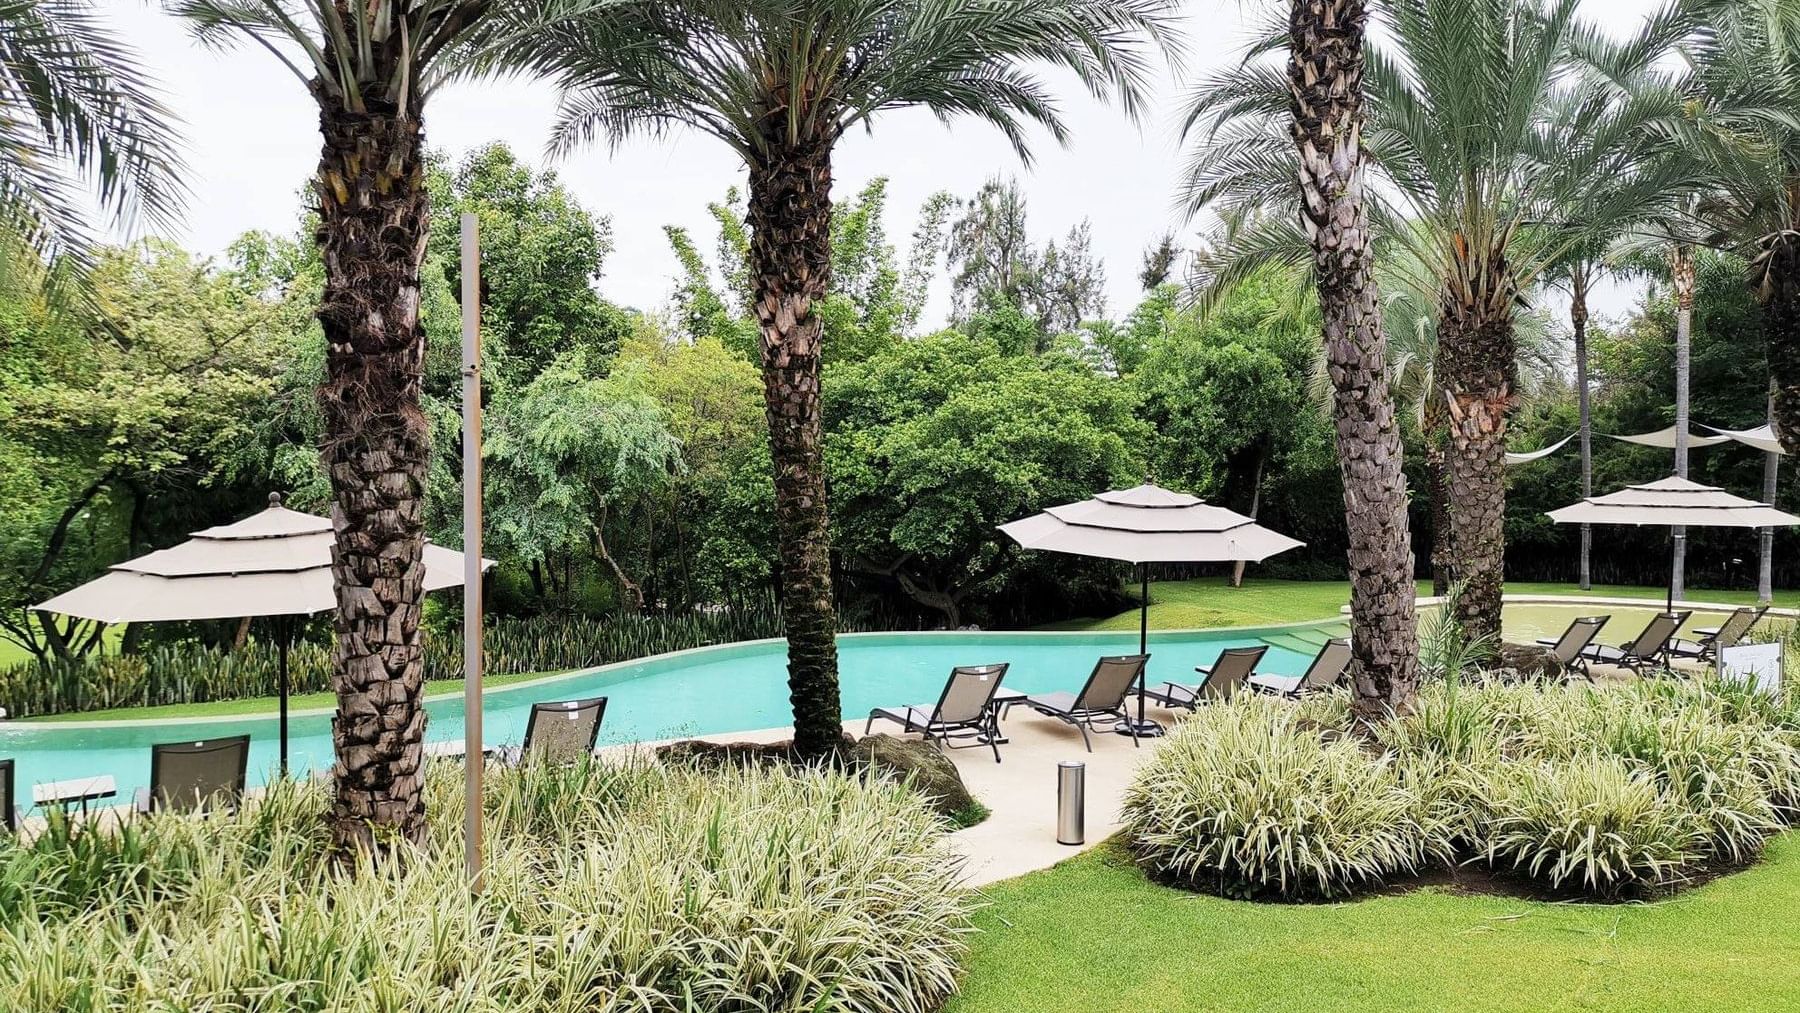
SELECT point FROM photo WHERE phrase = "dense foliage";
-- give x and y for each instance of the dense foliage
(609, 885)
(1605, 792)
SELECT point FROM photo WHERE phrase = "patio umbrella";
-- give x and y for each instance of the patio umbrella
(1675, 502)
(275, 565)
(1148, 524)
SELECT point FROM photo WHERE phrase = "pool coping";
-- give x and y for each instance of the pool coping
(576, 673)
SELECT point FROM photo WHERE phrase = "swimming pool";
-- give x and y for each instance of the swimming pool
(711, 690)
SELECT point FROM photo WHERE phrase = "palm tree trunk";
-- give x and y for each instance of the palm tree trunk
(1443, 549)
(1325, 71)
(1476, 333)
(790, 264)
(1765, 538)
(373, 220)
(1578, 320)
(1681, 271)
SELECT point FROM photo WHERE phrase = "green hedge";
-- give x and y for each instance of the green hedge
(609, 886)
(192, 673)
(1623, 791)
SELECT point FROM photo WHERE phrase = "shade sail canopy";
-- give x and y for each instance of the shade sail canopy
(1762, 438)
(1665, 438)
(275, 563)
(1149, 524)
(1538, 455)
(1674, 502)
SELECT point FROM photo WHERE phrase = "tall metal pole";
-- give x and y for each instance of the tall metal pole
(472, 604)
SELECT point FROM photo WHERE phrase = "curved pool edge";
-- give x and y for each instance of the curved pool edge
(666, 658)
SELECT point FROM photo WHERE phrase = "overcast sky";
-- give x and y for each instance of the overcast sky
(252, 142)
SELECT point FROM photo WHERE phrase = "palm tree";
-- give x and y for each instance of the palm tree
(371, 67)
(1746, 61)
(1498, 158)
(80, 116)
(780, 81)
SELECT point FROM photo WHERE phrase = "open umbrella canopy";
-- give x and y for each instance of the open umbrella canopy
(274, 563)
(1149, 524)
(1674, 502)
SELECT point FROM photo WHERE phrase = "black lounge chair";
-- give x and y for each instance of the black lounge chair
(1327, 670)
(1228, 674)
(1648, 648)
(9, 813)
(1568, 648)
(191, 776)
(964, 710)
(1735, 628)
(564, 730)
(1102, 697)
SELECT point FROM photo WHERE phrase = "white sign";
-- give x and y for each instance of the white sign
(1756, 664)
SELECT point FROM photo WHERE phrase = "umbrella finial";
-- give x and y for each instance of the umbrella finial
(274, 499)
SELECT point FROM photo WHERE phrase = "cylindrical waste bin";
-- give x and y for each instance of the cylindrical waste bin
(1071, 802)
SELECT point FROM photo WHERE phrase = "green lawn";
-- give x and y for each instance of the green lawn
(1094, 936)
(1198, 604)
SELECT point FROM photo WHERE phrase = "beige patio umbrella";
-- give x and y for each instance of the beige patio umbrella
(1148, 524)
(275, 564)
(1674, 502)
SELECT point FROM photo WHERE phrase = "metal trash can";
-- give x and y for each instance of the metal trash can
(1071, 802)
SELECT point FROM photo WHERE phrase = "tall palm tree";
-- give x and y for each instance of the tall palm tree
(83, 126)
(1486, 185)
(371, 67)
(780, 81)
(1746, 60)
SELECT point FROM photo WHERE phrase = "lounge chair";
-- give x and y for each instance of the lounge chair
(1228, 674)
(564, 730)
(1567, 649)
(1102, 697)
(1648, 648)
(1327, 670)
(1736, 626)
(188, 776)
(9, 813)
(964, 710)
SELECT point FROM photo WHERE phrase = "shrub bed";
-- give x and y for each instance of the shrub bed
(1615, 792)
(609, 886)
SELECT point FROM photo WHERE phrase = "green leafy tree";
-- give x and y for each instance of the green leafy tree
(934, 443)
(779, 82)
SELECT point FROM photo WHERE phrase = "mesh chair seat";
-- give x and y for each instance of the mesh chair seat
(193, 776)
(564, 730)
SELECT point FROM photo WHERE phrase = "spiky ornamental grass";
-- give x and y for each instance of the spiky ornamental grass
(609, 887)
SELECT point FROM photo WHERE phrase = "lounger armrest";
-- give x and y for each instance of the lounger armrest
(1202, 669)
(1546, 641)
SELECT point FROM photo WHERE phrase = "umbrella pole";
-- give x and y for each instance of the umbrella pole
(1143, 637)
(1675, 540)
(283, 632)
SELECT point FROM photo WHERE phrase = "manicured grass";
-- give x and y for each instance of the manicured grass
(261, 705)
(1094, 936)
(1200, 604)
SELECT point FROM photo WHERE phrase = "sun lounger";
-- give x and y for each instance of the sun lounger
(1736, 626)
(564, 730)
(1327, 670)
(964, 710)
(1648, 648)
(1230, 673)
(187, 776)
(1580, 635)
(1103, 696)
(9, 811)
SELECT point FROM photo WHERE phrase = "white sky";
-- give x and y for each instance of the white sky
(252, 142)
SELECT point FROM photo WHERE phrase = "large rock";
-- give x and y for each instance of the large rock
(923, 765)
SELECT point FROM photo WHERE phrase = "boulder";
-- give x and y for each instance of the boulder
(930, 772)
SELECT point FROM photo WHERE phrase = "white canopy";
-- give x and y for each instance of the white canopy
(1665, 438)
(1762, 438)
(1149, 524)
(274, 563)
(1674, 502)
(1538, 455)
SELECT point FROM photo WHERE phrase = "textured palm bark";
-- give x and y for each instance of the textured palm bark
(1578, 321)
(1437, 486)
(790, 263)
(1765, 537)
(1325, 71)
(1475, 331)
(373, 217)
(1780, 295)
(1681, 274)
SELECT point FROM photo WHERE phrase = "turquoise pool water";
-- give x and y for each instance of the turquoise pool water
(733, 688)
